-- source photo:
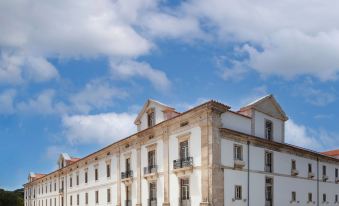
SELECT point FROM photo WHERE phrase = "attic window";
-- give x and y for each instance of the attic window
(185, 123)
(151, 137)
(268, 129)
(150, 118)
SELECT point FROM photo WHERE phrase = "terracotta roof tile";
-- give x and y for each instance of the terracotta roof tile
(332, 153)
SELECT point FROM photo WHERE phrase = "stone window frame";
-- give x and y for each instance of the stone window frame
(148, 112)
(272, 129)
(96, 172)
(184, 137)
(108, 162)
(126, 156)
(152, 147)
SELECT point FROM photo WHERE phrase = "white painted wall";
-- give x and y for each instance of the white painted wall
(236, 122)
(259, 130)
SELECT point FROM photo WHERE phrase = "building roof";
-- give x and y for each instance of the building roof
(333, 153)
(267, 104)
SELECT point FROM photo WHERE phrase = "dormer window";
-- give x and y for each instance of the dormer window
(151, 118)
(268, 129)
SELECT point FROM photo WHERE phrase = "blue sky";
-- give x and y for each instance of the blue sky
(73, 75)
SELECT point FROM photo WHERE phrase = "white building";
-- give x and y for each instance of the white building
(208, 155)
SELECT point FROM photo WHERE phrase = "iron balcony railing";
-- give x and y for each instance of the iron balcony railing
(184, 162)
(128, 202)
(152, 202)
(127, 174)
(151, 169)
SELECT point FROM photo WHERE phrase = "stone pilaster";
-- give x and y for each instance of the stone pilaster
(118, 180)
(204, 126)
(166, 167)
(138, 176)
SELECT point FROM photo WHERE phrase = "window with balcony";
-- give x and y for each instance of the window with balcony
(151, 158)
(128, 172)
(268, 162)
(268, 129)
(237, 192)
(184, 159)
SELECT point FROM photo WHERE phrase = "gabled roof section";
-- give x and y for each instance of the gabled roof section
(148, 102)
(332, 153)
(269, 105)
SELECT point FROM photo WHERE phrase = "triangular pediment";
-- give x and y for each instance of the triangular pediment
(147, 106)
(268, 105)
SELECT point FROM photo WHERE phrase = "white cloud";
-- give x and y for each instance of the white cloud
(97, 94)
(43, 104)
(303, 136)
(100, 128)
(285, 38)
(6, 101)
(128, 69)
(15, 68)
(314, 93)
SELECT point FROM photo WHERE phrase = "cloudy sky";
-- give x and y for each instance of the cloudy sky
(73, 74)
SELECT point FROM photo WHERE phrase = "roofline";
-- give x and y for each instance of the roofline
(226, 107)
(313, 152)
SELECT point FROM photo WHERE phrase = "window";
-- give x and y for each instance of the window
(50, 187)
(108, 170)
(310, 198)
(71, 200)
(62, 201)
(151, 158)
(268, 191)
(86, 198)
(293, 165)
(324, 170)
(184, 153)
(108, 195)
(324, 197)
(128, 194)
(294, 196)
(78, 199)
(237, 192)
(268, 162)
(237, 152)
(268, 129)
(151, 118)
(152, 192)
(70, 182)
(128, 164)
(54, 186)
(336, 199)
(309, 168)
(96, 173)
(336, 173)
(54, 201)
(97, 197)
(185, 189)
(86, 177)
